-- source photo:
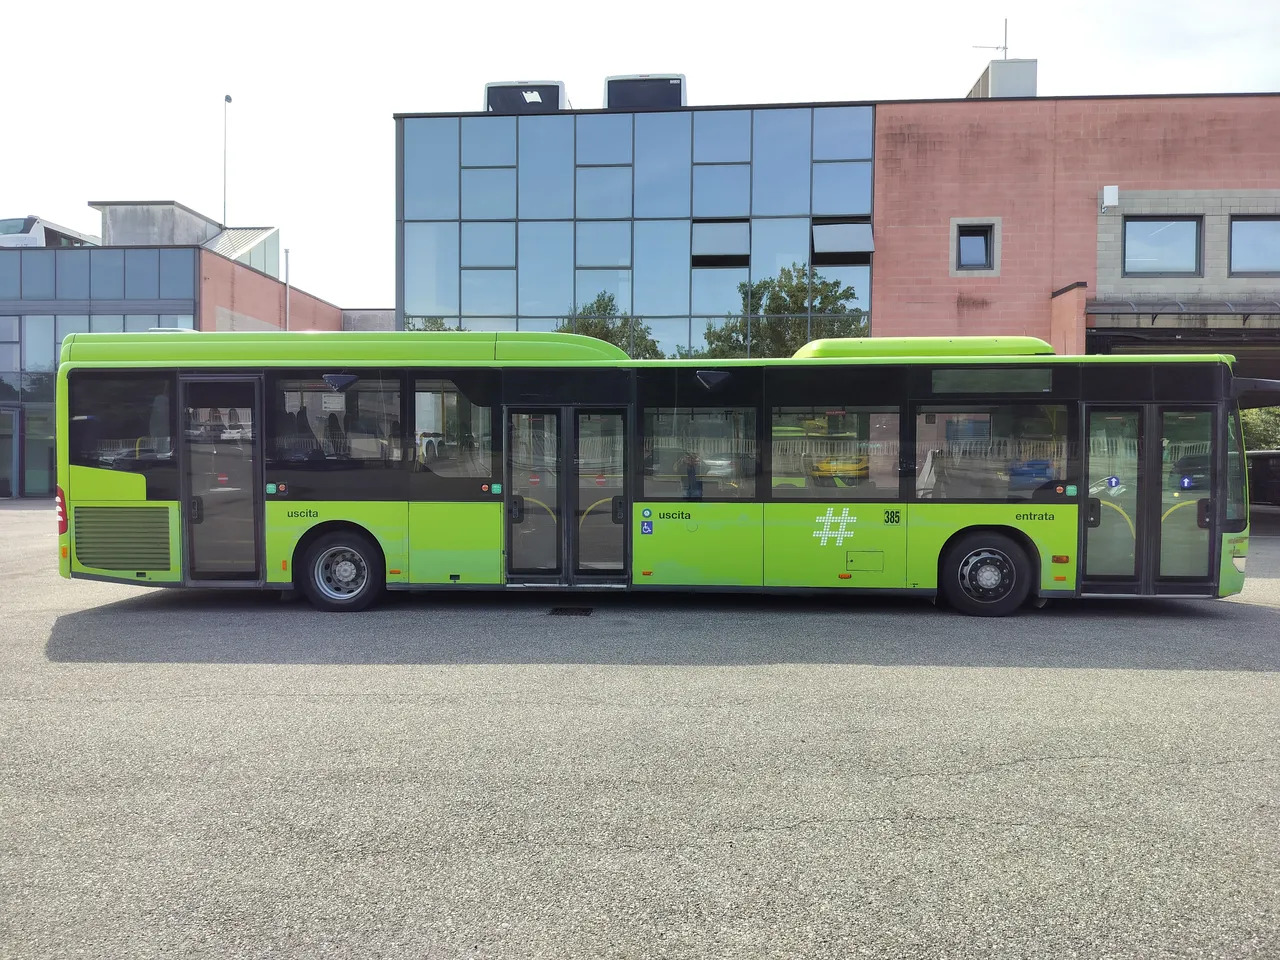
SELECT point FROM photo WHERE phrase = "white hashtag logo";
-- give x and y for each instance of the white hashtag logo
(841, 524)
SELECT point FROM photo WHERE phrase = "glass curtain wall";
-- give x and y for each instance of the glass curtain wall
(717, 233)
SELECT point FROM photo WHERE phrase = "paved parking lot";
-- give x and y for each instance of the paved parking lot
(223, 775)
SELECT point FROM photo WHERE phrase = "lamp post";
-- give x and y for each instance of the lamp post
(225, 101)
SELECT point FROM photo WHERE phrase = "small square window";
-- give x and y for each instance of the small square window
(1255, 246)
(973, 247)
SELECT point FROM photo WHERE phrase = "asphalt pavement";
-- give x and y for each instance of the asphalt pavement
(214, 774)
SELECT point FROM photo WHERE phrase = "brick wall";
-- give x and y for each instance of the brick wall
(1038, 166)
(236, 297)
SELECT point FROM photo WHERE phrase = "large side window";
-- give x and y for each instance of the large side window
(835, 453)
(700, 453)
(452, 431)
(1237, 505)
(978, 451)
(337, 417)
(120, 421)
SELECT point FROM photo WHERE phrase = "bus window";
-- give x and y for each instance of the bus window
(835, 452)
(700, 453)
(337, 417)
(452, 435)
(990, 452)
(118, 422)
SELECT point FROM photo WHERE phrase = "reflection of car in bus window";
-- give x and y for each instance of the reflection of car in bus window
(1190, 472)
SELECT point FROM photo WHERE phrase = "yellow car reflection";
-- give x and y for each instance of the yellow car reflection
(848, 470)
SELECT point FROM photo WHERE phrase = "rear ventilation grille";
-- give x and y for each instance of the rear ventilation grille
(123, 538)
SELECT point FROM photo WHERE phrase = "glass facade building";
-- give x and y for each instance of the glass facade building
(46, 293)
(701, 232)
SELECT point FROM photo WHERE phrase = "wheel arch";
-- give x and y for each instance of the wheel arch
(1013, 533)
(331, 526)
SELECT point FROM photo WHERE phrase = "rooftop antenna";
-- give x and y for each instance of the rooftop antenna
(1003, 48)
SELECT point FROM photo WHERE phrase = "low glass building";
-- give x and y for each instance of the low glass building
(721, 232)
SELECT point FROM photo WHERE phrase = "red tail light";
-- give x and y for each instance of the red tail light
(60, 508)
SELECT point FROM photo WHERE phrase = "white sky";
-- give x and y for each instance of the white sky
(123, 99)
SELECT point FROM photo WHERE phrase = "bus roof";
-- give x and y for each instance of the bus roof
(467, 348)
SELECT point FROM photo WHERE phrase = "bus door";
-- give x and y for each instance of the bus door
(1149, 519)
(222, 478)
(9, 435)
(566, 496)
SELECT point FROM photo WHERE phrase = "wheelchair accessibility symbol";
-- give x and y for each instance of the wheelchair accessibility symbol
(646, 526)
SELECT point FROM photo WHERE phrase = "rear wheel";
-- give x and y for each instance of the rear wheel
(343, 571)
(986, 575)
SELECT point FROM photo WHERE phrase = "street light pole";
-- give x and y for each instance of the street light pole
(225, 100)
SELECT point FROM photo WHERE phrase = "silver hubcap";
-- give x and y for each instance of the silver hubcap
(341, 573)
(987, 575)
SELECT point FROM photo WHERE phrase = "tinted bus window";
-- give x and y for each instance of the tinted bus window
(990, 452)
(118, 421)
(332, 417)
(834, 453)
(700, 453)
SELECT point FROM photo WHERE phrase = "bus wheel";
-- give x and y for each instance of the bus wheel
(986, 575)
(343, 571)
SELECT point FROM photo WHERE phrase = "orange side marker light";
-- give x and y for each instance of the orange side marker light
(1061, 558)
(393, 571)
(64, 553)
(846, 576)
(646, 573)
(284, 564)
(1059, 578)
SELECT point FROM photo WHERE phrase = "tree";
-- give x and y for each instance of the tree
(1261, 428)
(427, 324)
(775, 318)
(602, 319)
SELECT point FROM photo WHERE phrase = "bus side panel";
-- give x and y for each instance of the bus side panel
(1052, 527)
(456, 542)
(698, 544)
(289, 520)
(814, 544)
(1235, 547)
(132, 541)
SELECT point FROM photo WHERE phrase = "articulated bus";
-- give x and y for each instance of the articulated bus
(987, 471)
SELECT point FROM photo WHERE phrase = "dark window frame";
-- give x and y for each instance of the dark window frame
(988, 233)
(1231, 233)
(1197, 219)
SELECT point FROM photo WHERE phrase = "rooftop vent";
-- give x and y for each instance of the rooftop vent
(644, 91)
(542, 96)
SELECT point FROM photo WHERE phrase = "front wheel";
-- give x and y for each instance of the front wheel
(343, 571)
(986, 575)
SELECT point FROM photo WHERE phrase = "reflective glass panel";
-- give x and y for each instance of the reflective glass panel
(841, 188)
(1255, 246)
(177, 321)
(488, 292)
(722, 190)
(488, 244)
(718, 291)
(671, 336)
(604, 138)
(842, 238)
(604, 192)
(430, 269)
(106, 274)
(1161, 246)
(140, 322)
(9, 361)
(546, 167)
(8, 328)
(430, 168)
(604, 244)
(780, 165)
(488, 141)
(662, 164)
(842, 133)
(661, 267)
(177, 274)
(73, 274)
(595, 284)
(836, 290)
(10, 274)
(721, 239)
(1186, 474)
(37, 275)
(69, 324)
(39, 463)
(106, 323)
(1115, 467)
(700, 453)
(721, 136)
(722, 337)
(37, 342)
(488, 194)
(779, 244)
(142, 274)
(546, 268)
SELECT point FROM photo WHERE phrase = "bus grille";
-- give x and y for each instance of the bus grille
(123, 538)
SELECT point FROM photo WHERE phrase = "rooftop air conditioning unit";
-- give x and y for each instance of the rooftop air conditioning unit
(545, 96)
(644, 91)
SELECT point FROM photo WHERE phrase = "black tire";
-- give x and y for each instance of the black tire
(986, 575)
(343, 571)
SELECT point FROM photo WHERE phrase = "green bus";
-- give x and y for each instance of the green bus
(986, 470)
